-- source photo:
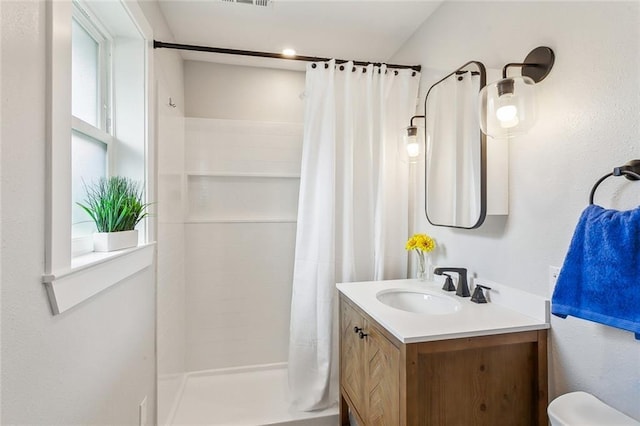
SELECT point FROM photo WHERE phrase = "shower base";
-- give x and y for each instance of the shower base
(247, 396)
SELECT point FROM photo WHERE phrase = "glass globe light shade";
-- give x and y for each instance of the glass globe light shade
(409, 148)
(508, 107)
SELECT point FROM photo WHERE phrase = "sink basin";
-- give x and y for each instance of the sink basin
(418, 301)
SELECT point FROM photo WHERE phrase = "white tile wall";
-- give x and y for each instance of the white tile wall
(239, 293)
(242, 146)
(239, 272)
(171, 299)
(171, 288)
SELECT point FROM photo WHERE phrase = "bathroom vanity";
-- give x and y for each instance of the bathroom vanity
(444, 361)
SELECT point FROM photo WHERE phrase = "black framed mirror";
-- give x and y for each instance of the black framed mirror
(456, 155)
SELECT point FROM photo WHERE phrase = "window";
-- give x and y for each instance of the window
(89, 65)
(91, 118)
(88, 164)
(98, 124)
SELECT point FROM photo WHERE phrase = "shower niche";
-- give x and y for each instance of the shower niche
(242, 172)
(242, 197)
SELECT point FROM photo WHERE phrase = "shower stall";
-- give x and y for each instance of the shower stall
(228, 171)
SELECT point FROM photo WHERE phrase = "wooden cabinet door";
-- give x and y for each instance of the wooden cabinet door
(352, 355)
(383, 377)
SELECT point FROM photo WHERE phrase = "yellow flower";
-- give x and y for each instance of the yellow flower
(421, 242)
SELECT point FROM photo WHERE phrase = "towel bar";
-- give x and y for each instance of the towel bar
(631, 171)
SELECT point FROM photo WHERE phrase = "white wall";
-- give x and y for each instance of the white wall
(241, 120)
(169, 84)
(588, 123)
(95, 363)
(167, 62)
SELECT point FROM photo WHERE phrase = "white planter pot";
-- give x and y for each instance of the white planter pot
(111, 241)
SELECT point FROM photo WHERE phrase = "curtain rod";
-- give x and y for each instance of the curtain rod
(161, 44)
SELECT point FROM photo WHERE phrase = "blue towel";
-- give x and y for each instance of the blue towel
(600, 278)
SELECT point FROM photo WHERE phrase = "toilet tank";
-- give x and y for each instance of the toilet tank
(584, 409)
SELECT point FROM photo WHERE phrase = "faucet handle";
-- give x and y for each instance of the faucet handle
(448, 283)
(478, 294)
(463, 287)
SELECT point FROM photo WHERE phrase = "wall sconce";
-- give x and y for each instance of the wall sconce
(411, 148)
(508, 106)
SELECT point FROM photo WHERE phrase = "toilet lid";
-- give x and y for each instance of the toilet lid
(584, 409)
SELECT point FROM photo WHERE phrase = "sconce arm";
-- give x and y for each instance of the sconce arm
(414, 117)
(513, 64)
(536, 65)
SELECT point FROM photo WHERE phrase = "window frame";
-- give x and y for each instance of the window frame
(71, 280)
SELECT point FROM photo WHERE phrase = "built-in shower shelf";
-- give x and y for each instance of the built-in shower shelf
(244, 175)
(242, 197)
(257, 220)
(241, 171)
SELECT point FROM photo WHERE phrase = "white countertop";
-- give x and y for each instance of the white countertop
(509, 310)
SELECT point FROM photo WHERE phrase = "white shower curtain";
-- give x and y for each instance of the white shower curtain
(352, 211)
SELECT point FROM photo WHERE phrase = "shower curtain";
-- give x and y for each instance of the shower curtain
(352, 210)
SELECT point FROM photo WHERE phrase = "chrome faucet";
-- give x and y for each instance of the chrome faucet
(463, 286)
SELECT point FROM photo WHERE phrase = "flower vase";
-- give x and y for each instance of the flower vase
(421, 273)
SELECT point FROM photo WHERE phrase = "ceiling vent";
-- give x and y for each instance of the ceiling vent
(250, 2)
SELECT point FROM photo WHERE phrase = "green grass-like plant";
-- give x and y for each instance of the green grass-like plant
(115, 204)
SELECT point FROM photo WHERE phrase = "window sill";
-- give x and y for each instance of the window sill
(94, 272)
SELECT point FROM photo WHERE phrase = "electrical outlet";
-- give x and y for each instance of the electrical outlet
(143, 412)
(554, 271)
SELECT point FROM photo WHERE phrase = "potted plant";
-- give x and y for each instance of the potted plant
(115, 205)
